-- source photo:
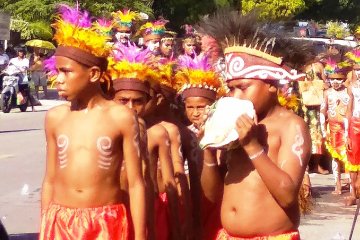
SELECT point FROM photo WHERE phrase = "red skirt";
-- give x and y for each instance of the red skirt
(162, 219)
(354, 153)
(336, 142)
(107, 222)
(293, 235)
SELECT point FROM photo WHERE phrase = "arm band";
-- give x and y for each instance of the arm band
(256, 155)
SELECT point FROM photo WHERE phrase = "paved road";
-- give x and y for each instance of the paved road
(22, 159)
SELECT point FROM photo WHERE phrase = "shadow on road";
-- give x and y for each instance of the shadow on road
(21, 130)
(24, 236)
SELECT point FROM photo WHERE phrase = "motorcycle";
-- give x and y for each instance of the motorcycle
(15, 91)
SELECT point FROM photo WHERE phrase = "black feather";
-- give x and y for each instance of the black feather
(231, 28)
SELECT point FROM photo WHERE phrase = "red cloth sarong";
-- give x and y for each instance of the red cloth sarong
(107, 222)
(336, 142)
(210, 219)
(354, 154)
(162, 219)
(293, 235)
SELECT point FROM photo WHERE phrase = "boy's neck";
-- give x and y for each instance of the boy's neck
(89, 101)
(269, 112)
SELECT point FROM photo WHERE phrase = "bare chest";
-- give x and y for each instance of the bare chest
(86, 138)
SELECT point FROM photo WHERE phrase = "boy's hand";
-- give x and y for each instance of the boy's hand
(246, 128)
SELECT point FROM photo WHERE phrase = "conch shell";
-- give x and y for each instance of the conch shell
(220, 125)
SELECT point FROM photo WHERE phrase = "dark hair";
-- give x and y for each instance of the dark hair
(230, 28)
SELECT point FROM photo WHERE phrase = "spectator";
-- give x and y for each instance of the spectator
(38, 74)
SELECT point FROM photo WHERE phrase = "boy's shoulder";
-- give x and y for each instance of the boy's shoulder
(287, 119)
(171, 128)
(58, 111)
(157, 131)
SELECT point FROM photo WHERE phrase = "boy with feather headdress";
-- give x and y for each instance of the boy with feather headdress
(333, 117)
(265, 172)
(134, 76)
(81, 196)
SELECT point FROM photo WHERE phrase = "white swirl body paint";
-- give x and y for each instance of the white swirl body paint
(335, 98)
(62, 143)
(104, 146)
(297, 147)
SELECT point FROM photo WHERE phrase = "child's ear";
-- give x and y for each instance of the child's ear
(273, 88)
(95, 74)
(159, 98)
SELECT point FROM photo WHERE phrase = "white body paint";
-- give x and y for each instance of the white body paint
(62, 143)
(356, 104)
(297, 147)
(104, 146)
(334, 100)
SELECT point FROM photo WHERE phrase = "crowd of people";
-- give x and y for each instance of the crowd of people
(123, 154)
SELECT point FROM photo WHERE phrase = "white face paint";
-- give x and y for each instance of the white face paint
(104, 146)
(336, 83)
(122, 37)
(297, 147)
(62, 143)
(153, 46)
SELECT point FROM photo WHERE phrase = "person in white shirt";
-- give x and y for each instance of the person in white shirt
(18, 64)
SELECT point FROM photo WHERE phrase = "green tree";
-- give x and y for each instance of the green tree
(32, 18)
(274, 9)
(336, 30)
(332, 10)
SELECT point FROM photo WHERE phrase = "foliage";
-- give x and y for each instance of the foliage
(32, 18)
(335, 10)
(337, 30)
(274, 9)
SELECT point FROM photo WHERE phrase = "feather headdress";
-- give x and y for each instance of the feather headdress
(357, 31)
(252, 50)
(334, 70)
(354, 56)
(156, 28)
(125, 17)
(104, 26)
(75, 29)
(197, 73)
(131, 64)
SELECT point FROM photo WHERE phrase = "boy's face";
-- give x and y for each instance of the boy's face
(195, 108)
(167, 47)
(189, 46)
(336, 83)
(135, 100)
(256, 91)
(153, 43)
(72, 77)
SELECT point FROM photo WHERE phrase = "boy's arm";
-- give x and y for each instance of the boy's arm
(283, 180)
(323, 114)
(348, 117)
(167, 172)
(132, 156)
(211, 180)
(51, 157)
(180, 177)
